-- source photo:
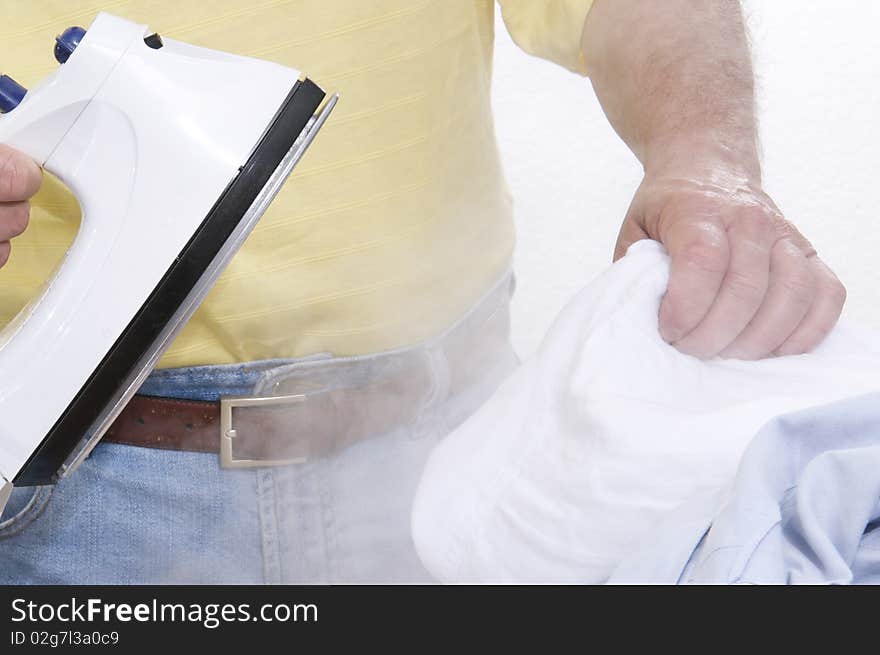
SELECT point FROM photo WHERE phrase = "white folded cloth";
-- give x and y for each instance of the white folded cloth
(604, 431)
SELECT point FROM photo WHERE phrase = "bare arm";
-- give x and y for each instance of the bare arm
(675, 80)
(668, 73)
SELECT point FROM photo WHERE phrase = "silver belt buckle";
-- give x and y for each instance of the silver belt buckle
(228, 434)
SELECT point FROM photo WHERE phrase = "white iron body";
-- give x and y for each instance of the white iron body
(147, 140)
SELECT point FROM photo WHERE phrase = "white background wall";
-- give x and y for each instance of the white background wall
(818, 68)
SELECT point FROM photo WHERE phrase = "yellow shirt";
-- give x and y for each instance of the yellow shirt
(398, 218)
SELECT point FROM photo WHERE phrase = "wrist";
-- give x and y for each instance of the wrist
(722, 159)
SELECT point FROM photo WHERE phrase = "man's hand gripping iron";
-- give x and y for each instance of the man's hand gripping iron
(174, 152)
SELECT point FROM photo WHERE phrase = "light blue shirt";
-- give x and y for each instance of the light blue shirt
(804, 508)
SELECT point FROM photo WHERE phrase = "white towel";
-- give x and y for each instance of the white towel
(608, 428)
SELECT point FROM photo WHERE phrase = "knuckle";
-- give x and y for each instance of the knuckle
(751, 244)
(755, 225)
(706, 253)
(786, 232)
(785, 229)
(745, 287)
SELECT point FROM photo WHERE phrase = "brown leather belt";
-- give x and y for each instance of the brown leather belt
(316, 409)
(290, 426)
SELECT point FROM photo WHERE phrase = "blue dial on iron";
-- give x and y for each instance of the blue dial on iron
(11, 94)
(66, 42)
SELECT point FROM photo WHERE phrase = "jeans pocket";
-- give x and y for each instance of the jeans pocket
(24, 506)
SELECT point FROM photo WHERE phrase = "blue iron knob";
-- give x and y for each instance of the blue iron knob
(11, 94)
(66, 43)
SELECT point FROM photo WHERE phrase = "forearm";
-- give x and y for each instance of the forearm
(675, 80)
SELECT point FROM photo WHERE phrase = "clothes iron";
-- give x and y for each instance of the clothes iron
(174, 152)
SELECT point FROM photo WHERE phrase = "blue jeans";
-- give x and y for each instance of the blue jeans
(133, 515)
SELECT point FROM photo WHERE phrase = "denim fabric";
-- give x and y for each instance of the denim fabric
(211, 382)
(134, 515)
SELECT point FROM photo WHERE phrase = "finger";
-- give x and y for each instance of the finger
(745, 284)
(5, 249)
(13, 219)
(20, 177)
(699, 259)
(789, 297)
(786, 230)
(823, 314)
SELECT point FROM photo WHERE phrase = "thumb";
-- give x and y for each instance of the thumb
(20, 177)
(630, 232)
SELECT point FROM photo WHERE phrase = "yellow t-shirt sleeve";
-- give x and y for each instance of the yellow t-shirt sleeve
(550, 29)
